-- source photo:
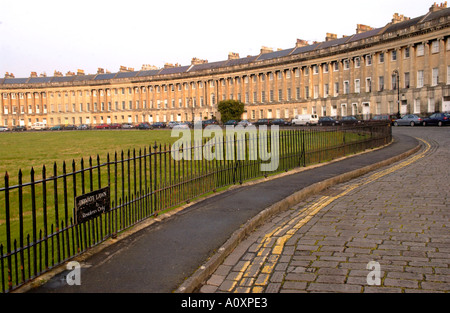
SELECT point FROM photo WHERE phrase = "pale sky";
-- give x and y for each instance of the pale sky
(48, 35)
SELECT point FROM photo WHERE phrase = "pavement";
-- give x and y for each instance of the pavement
(282, 235)
(384, 232)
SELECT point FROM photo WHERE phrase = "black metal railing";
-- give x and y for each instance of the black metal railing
(38, 229)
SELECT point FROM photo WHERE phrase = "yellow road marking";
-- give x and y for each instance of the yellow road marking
(305, 215)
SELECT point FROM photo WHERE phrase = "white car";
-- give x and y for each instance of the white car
(38, 126)
(306, 119)
(181, 126)
(4, 129)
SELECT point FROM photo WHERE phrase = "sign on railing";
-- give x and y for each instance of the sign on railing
(92, 204)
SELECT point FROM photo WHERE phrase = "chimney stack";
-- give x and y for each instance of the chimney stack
(330, 37)
(360, 28)
(233, 56)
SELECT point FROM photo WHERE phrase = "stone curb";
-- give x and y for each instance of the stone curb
(206, 270)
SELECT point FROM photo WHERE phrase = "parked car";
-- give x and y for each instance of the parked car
(305, 119)
(115, 126)
(4, 129)
(38, 126)
(382, 117)
(171, 124)
(263, 121)
(439, 119)
(409, 120)
(19, 128)
(57, 127)
(181, 126)
(231, 122)
(210, 122)
(127, 126)
(245, 123)
(159, 125)
(281, 122)
(328, 121)
(102, 126)
(144, 126)
(349, 120)
(70, 127)
(83, 127)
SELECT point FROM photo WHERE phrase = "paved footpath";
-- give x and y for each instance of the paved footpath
(386, 231)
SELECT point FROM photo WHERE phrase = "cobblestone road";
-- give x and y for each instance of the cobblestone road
(387, 231)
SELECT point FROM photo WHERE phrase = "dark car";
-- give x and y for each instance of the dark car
(159, 125)
(70, 127)
(409, 120)
(144, 126)
(210, 122)
(263, 121)
(231, 122)
(328, 121)
(439, 119)
(281, 122)
(57, 127)
(19, 128)
(349, 120)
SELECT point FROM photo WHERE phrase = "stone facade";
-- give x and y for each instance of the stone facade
(352, 75)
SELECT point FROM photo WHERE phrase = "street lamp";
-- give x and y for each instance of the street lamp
(398, 92)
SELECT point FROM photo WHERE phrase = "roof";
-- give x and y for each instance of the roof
(274, 55)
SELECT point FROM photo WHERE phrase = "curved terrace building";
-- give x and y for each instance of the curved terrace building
(403, 66)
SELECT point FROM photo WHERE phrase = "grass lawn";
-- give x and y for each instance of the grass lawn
(35, 149)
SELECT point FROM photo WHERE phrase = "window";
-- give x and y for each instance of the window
(394, 82)
(435, 46)
(326, 90)
(368, 60)
(420, 50)
(419, 79)
(381, 58)
(336, 89)
(380, 83)
(435, 76)
(394, 55)
(448, 74)
(316, 91)
(368, 84)
(357, 62)
(357, 86)
(306, 92)
(406, 80)
(280, 94)
(416, 106)
(406, 52)
(346, 64)
(335, 66)
(315, 70)
(325, 68)
(346, 87)
(306, 71)
(271, 95)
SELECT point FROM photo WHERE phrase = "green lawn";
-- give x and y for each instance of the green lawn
(35, 149)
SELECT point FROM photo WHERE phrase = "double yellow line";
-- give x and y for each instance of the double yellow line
(254, 274)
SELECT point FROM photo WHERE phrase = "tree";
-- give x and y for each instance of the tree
(230, 110)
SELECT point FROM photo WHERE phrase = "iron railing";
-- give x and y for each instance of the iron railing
(38, 229)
